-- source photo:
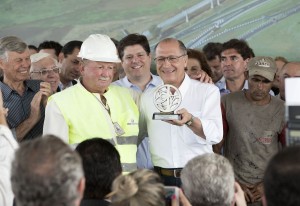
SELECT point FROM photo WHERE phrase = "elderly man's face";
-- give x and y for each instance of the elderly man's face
(16, 67)
(46, 70)
(290, 70)
(97, 76)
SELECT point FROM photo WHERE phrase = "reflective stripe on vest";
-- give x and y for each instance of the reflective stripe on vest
(124, 140)
(86, 118)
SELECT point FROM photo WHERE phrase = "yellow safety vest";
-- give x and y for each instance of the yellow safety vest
(87, 118)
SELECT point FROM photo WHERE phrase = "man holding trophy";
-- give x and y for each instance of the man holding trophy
(182, 116)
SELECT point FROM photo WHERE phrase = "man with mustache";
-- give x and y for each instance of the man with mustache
(253, 122)
(93, 107)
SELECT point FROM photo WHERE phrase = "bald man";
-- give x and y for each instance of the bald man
(289, 70)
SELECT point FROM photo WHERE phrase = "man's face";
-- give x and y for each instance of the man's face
(46, 70)
(215, 66)
(16, 67)
(70, 66)
(97, 76)
(290, 70)
(136, 62)
(171, 70)
(233, 65)
(259, 88)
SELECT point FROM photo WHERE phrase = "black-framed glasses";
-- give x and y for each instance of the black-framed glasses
(44, 71)
(171, 59)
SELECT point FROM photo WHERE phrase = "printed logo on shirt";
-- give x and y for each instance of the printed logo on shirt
(267, 137)
(132, 122)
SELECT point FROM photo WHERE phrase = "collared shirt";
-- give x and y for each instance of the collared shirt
(124, 82)
(221, 84)
(62, 87)
(173, 146)
(19, 107)
(143, 152)
(8, 145)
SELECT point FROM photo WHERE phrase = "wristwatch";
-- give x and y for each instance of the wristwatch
(190, 122)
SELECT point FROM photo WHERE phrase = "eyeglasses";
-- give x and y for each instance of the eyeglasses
(171, 59)
(44, 72)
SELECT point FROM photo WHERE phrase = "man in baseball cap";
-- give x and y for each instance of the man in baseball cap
(253, 122)
(93, 107)
(262, 66)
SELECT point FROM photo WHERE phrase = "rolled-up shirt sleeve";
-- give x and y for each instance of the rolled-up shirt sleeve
(55, 123)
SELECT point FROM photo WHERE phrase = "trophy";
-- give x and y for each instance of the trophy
(167, 98)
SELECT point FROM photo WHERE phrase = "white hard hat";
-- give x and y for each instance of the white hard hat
(99, 47)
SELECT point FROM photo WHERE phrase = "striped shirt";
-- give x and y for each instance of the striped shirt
(19, 107)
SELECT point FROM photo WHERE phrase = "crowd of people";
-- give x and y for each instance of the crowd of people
(77, 124)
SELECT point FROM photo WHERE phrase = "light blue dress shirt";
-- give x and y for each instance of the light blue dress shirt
(143, 157)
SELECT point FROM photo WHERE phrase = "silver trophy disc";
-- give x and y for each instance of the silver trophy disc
(166, 99)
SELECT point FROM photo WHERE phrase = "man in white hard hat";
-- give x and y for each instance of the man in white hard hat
(93, 107)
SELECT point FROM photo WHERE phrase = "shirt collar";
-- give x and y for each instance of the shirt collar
(155, 81)
(183, 88)
(62, 87)
(33, 85)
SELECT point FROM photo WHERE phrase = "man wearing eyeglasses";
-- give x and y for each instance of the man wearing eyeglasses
(25, 99)
(174, 142)
(234, 58)
(44, 67)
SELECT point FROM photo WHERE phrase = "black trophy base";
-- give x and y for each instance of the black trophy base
(166, 116)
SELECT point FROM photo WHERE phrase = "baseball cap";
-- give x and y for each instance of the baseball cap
(262, 66)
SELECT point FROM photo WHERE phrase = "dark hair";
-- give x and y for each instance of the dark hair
(33, 47)
(133, 39)
(282, 177)
(116, 42)
(211, 50)
(101, 165)
(241, 46)
(51, 45)
(200, 57)
(69, 47)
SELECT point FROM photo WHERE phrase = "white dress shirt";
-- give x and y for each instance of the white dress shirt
(8, 145)
(173, 146)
